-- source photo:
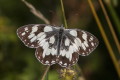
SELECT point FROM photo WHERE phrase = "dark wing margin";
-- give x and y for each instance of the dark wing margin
(84, 42)
(47, 52)
(88, 42)
(44, 38)
(29, 34)
(67, 56)
(65, 61)
(49, 59)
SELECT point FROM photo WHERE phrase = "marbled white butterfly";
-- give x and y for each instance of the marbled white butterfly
(56, 44)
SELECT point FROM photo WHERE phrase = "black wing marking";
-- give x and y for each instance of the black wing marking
(47, 53)
(88, 42)
(67, 56)
(46, 59)
(75, 42)
(84, 42)
(32, 34)
(68, 60)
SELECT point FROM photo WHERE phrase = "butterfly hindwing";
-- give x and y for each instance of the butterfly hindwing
(47, 52)
(47, 58)
(67, 56)
(75, 42)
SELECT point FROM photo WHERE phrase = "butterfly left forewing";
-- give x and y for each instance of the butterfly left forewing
(32, 34)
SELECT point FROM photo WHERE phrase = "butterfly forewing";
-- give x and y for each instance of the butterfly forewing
(32, 34)
(84, 42)
(88, 42)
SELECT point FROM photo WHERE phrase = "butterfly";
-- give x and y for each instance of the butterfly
(56, 44)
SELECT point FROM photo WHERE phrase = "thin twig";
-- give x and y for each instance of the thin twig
(36, 12)
(46, 70)
(40, 16)
(114, 15)
(115, 62)
(110, 25)
(63, 12)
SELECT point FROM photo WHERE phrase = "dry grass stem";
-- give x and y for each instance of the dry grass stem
(40, 16)
(115, 62)
(36, 12)
(46, 70)
(110, 25)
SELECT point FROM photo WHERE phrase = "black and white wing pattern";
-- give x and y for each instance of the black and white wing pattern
(47, 52)
(75, 42)
(67, 56)
(87, 42)
(56, 44)
(42, 37)
(31, 34)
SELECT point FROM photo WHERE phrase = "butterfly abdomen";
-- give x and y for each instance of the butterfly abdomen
(60, 35)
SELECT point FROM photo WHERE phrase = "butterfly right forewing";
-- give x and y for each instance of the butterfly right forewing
(83, 41)
(88, 42)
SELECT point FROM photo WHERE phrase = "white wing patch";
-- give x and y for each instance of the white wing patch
(68, 53)
(67, 42)
(33, 39)
(26, 28)
(73, 32)
(47, 29)
(23, 33)
(52, 40)
(31, 35)
(34, 28)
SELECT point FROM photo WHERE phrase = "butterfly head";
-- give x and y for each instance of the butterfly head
(62, 27)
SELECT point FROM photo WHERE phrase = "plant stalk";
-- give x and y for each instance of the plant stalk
(46, 70)
(63, 13)
(110, 25)
(115, 62)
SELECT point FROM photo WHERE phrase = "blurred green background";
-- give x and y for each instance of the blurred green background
(18, 62)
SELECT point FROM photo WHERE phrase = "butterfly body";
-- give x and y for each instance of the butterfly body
(56, 44)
